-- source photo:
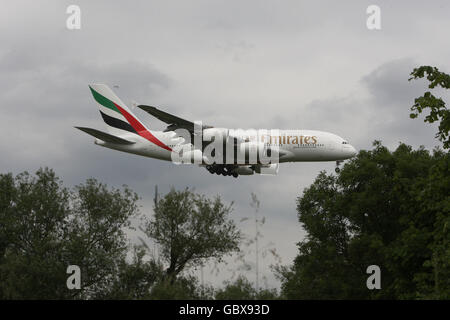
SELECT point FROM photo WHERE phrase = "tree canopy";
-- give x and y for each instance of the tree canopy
(45, 227)
(243, 289)
(191, 228)
(385, 208)
(436, 106)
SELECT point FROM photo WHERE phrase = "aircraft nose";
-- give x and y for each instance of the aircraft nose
(349, 151)
(352, 151)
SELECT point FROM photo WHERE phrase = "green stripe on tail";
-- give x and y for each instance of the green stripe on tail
(104, 101)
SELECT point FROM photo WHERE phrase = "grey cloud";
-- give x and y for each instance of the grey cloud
(392, 96)
(389, 83)
(382, 115)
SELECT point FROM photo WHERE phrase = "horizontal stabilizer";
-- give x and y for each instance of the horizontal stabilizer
(105, 136)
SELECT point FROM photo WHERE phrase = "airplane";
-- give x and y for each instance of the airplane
(125, 132)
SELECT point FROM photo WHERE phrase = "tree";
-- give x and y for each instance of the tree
(242, 289)
(438, 110)
(32, 219)
(385, 208)
(190, 228)
(95, 230)
(146, 279)
(45, 227)
(184, 287)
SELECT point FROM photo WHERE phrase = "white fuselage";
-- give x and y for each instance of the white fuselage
(294, 145)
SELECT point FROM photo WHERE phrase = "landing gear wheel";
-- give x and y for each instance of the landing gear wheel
(337, 169)
(235, 175)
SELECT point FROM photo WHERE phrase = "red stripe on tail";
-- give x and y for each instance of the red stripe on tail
(140, 129)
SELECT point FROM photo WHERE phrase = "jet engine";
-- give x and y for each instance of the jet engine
(271, 169)
(243, 170)
(190, 156)
(259, 151)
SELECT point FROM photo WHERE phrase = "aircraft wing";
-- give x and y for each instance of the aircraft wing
(173, 122)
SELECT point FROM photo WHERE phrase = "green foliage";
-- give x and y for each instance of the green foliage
(32, 216)
(438, 110)
(190, 228)
(133, 280)
(96, 231)
(385, 208)
(242, 289)
(181, 288)
(45, 227)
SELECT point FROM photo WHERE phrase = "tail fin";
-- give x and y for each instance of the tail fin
(118, 118)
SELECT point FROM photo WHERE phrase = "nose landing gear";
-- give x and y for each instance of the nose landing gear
(337, 169)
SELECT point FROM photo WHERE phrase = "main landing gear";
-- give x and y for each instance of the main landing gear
(224, 169)
(337, 169)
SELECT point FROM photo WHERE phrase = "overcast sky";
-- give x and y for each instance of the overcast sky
(237, 64)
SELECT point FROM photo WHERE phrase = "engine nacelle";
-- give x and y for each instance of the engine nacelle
(251, 148)
(258, 152)
(271, 169)
(188, 156)
(244, 170)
